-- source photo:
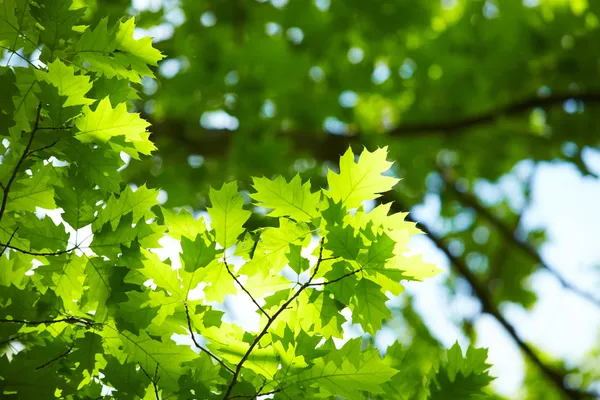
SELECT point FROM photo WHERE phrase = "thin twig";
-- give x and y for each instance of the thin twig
(19, 55)
(268, 325)
(336, 279)
(44, 147)
(68, 320)
(244, 289)
(254, 396)
(33, 253)
(204, 349)
(152, 380)
(8, 243)
(58, 357)
(508, 234)
(557, 378)
(23, 157)
(12, 338)
(216, 143)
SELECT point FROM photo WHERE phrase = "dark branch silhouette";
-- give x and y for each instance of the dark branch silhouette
(244, 289)
(508, 234)
(9, 240)
(69, 320)
(325, 146)
(58, 357)
(35, 253)
(13, 176)
(204, 349)
(270, 321)
(153, 380)
(488, 306)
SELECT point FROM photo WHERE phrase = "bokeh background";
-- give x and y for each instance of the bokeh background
(490, 110)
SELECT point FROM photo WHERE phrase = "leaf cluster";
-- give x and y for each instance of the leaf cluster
(89, 307)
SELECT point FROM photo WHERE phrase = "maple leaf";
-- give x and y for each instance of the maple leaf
(291, 199)
(105, 123)
(362, 180)
(70, 85)
(368, 305)
(227, 214)
(138, 203)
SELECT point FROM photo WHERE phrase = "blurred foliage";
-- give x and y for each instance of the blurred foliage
(468, 88)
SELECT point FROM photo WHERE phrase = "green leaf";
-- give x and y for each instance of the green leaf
(183, 224)
(34, 191)
(362, 180)
(168, 359)
(138, 203)
(105, 123)
(65, 276)
(70, 85)
(197, 254)
(57, 18)
(347, 379)
(295, 259)
(344, 242)
(43, 234)
(368, 306)
(227, 214)
(291, 199)
(462, 377)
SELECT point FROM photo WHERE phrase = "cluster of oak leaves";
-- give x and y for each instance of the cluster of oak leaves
(89, 310)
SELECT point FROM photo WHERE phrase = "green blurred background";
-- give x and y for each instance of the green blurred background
(489, 109)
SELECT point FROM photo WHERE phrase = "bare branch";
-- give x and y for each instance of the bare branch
(45, 147)
(254, 396)
(270, 321)
(9, 240)
(508, 234)
(23, 157)
(244, 289)
(204, 349)
(154, 381)
(69, 320)
(58, 357)
(33, 253)
(324, 146)
(557, 378)
(336, 279)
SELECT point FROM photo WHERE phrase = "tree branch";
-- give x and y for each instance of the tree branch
(244, 289)
(471, 201)
(214, 357)
(58, 357)
(488, 306)
(268, 324)
(33, 253)
(9, 240)
(336, 279)
(154, 381)
(68, 320)
(21, 159)
(325, 146)
(254, 396)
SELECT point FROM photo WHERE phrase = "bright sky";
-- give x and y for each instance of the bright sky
(562, 324)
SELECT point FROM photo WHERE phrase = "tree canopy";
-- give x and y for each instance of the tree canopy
(275, 147)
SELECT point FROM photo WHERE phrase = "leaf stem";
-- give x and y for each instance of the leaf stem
(244, 289)
(68, 320)
(33, 253)
(8, 243)
(204, 349)
(154, 381)
(58, 357)
(23, 157)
